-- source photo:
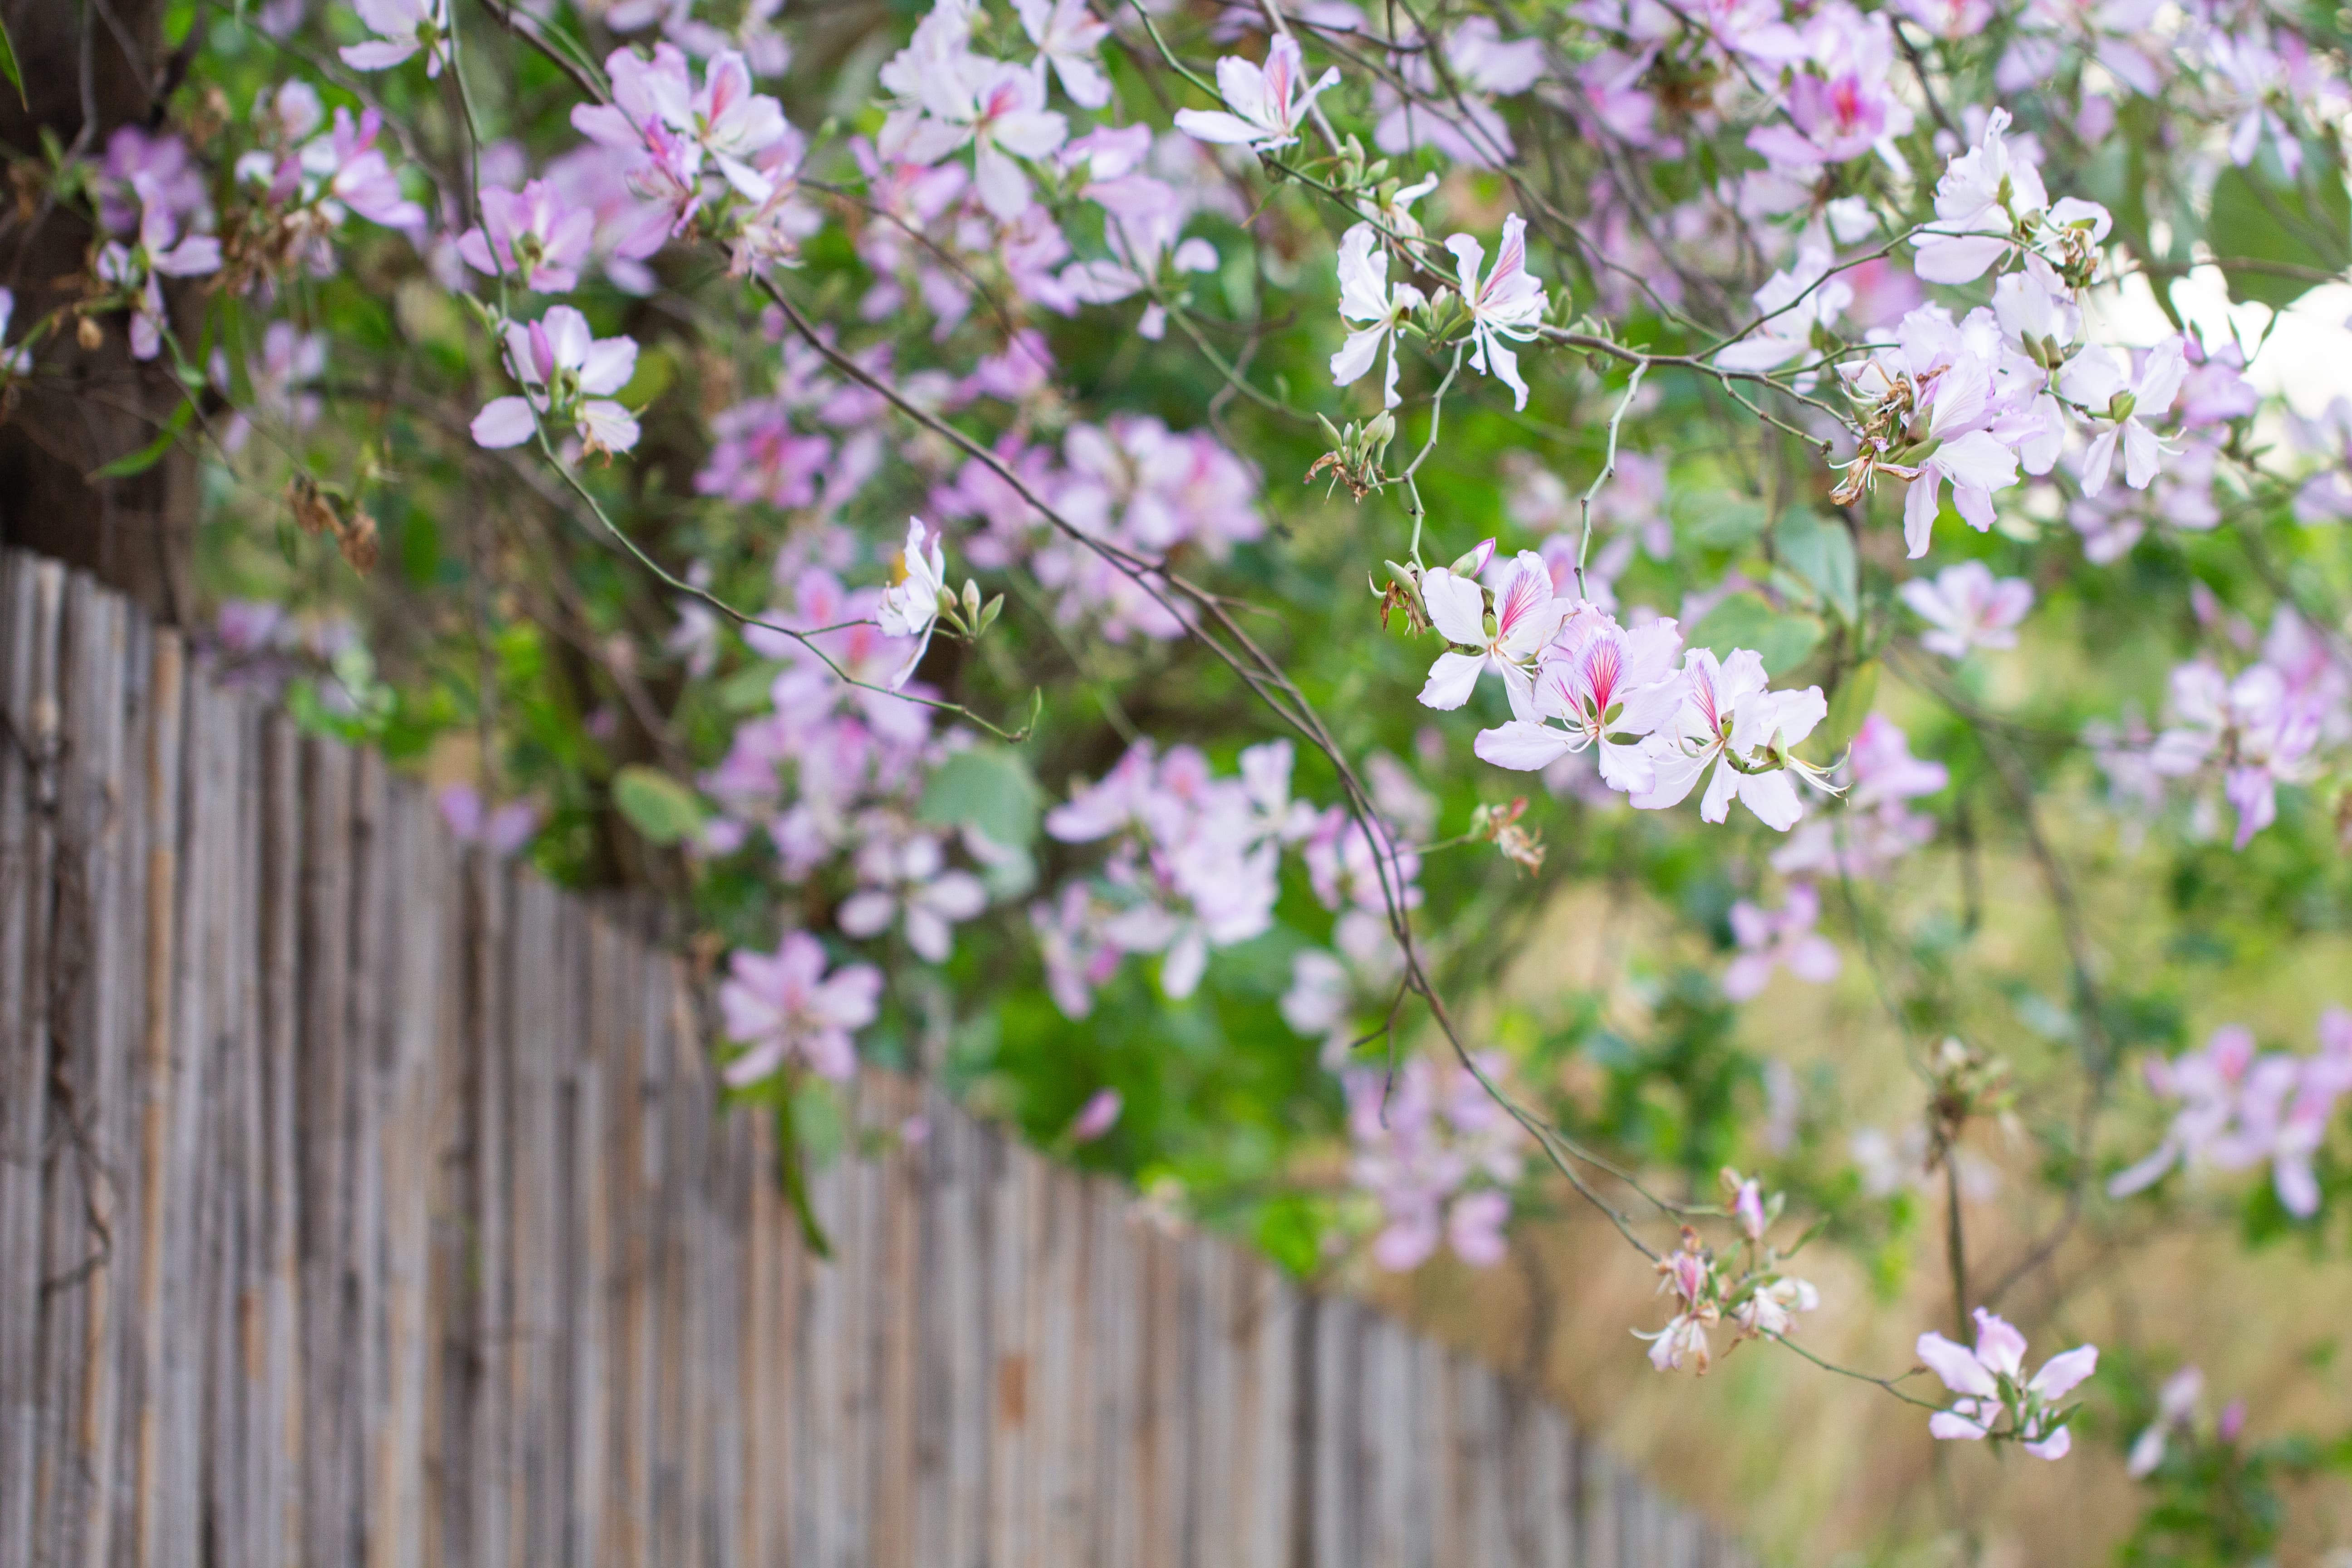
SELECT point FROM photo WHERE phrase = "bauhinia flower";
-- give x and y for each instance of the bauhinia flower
(910, 607)
(1098, 1115)
(1367, 297)
(1969, 609)
(532, 235)
(784, 1005)
(1609, 689)
(1067, 35)
(1997, 1400)
(1505, 305)
(1266, 102)
(2121, 403)
(1727, 718)
(1526, 615)
(568, 373)
(2176, 1406)
(401, 29)
(1776, 939)
(1689, 1273)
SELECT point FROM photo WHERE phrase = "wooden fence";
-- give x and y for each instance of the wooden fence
(363, 1201)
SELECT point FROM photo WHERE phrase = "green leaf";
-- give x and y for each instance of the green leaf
(1724, 521)
(1821, 552)
(657, 805)
(147, 457)
(1745, 620)
(987, 788)
(10, 68)
(2257, 220)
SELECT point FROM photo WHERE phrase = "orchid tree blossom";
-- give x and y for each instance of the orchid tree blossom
(1526, 615)
(1795, 305)
(1068, 35)
(1996, 1398)
(2254, 725)
(785, 1008)
(910, 607)
(1729, 720)
(2176, 1407)
(1264, 104)
(533, 235)
(1966, 607)
(1777, 938)
(568, 373)
(1367, 298)
(907, 881)
(401, 27)
(1599, 686)
(1505, 305)
(2123, 403)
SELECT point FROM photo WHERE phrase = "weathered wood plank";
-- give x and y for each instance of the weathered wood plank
(33, 605)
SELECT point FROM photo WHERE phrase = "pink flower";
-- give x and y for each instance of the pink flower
(1992, 1383)
(565, 371)
(1068, 35)
(784, 1005)
(1376, 307)
(1097, 1117)
(503, 832)
(2176, 1405)
(1266, 102)
(535, 235)
(1969, 609)
(1783, 938)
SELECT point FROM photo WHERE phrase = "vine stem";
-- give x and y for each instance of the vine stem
(1608, 470)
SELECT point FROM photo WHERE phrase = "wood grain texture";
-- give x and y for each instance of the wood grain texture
(367, 1203)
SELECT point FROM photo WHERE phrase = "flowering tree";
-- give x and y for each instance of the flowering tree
(847, 473)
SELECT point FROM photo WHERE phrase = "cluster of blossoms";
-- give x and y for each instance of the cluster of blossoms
(2240, 1107)
(1996, 1398)
(1195, 865)
(1438, 1154)
(2265, 726)
(1750, 1291)
(1973, 400)
(1878, 827)
(1776, 939)
(1577, 680)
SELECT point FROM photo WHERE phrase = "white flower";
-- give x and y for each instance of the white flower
(1794, 302)
(2096, 380)
(1968, 607)
(1267, 102)
(1983, 191)
(1727, 718)
(401, 29)
(1366, 296)
(1507, 304)
(1067, 35)
(910, 608)
(1526, 615)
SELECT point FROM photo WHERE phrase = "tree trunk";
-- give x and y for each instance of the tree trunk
(90, 67)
